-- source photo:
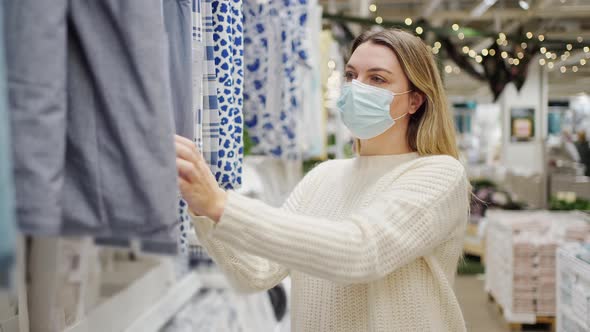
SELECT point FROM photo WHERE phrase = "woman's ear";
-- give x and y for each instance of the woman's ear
(416, 100)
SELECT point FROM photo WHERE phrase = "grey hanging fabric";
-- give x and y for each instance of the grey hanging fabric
(7, 221)
(90, 102)
(178, 22)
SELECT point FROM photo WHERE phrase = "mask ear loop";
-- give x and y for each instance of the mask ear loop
(401, 93)
(399, 117)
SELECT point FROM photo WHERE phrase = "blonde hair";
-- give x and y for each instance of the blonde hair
(431, 130)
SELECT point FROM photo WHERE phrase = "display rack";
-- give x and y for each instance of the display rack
(573, 290)
(145, 305)
(499, 271)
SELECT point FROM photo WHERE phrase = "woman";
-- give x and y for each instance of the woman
(371, 243)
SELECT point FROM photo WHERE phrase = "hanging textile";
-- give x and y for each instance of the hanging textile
(178, 15)
(178, 23)
(205, 83)
(274, 48)
(228, 51)
(7, 221)
(86, 84)
(313, 129)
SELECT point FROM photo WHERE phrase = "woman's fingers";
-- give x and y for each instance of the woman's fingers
(184, 186)
(187, 170)
(184, 141)
(187, 154)
(188, 144)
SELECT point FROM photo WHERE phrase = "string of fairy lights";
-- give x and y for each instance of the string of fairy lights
(552, 57)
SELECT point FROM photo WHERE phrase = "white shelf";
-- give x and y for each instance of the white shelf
(121, 310)
(161, 312)
(215, 280)
(566, 311)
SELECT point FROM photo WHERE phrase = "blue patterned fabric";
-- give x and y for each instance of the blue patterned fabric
(228, 51)
(271, 92)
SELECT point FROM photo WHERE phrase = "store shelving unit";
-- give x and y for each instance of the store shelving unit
(573, 291)
(144, 305)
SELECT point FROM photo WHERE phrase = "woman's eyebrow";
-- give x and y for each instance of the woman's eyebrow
(380, 69)
(371, 70)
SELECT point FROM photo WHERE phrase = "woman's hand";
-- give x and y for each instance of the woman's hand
(198, 186)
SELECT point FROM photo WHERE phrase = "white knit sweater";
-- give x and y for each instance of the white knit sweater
(371, 244)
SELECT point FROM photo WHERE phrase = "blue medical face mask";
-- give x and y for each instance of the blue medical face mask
(365, 109)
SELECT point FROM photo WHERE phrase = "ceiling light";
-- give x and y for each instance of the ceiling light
(331, 64)
(478, 59)
(524, 4)
(484, 52)
(448, 69)
(419, 30)
(502, 36)
(586, 49)
(548, 55)
(379, 19)
(435, 50)
(567, 53)
(569, 47)
(554, 56)
(504, 55)
(550, 65)
(461, 35)
(516, 62)
(580, 39)
(456, 70)
(542, 62)
(529, 35)
(575, 69)
(511, 61)
(523, 46)
(437, 44)
(408, 21)
(492, 52)
(582, 61)
(373, 8)
(563, 57)
(543, 50)
(520, 55)
(465, 49)
(562, 69)
(472, 53)
(455, 27)
(482, 8)
(541, 37)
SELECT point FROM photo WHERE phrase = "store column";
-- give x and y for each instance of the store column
(524, 123)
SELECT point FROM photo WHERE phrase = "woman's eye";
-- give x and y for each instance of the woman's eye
(378, 80)
(349, 76)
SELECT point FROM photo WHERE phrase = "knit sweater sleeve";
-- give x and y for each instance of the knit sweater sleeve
(422, 209)
(247, 272)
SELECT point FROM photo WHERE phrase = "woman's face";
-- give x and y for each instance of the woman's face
(378, 66)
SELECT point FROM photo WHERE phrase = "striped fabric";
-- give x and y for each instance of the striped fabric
(205, 84)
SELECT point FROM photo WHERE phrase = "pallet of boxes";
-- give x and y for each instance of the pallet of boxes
(521, 249)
